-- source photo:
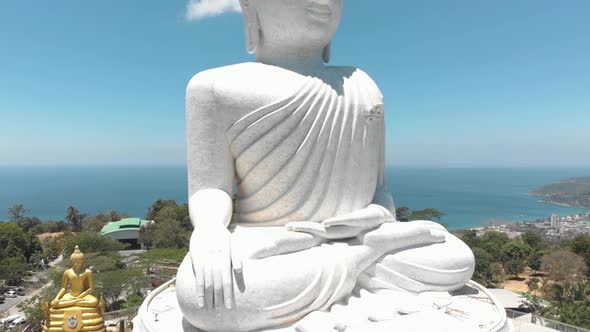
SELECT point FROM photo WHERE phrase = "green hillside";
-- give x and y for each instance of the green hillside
(573, 192)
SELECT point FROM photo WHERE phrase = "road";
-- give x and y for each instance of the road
(9, 307)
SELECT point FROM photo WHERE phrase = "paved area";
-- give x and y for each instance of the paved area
(9, 307)
(10, 302)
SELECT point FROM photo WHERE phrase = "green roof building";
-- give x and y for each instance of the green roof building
(126, 231)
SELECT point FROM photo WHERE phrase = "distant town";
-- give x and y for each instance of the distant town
(553, 228)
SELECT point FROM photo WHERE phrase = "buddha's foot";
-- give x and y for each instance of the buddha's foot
(418, 266)
(397, 235)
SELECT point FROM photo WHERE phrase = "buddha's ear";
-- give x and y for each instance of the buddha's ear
(251, 25)
(327, 53)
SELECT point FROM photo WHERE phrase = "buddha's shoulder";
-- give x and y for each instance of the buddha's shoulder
(243, 78)
(258, 83)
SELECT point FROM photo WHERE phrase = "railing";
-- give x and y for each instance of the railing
(546, 322)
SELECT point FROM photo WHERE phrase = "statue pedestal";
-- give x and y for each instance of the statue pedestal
(470, 309)
(75, 319)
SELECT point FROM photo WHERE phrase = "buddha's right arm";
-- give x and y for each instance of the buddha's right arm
(210, 163)
(64, 287)
(210, 175)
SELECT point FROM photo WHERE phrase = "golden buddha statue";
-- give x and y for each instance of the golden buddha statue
(76, 310)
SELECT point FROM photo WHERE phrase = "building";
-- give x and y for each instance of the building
(554, 221)
(126, 231)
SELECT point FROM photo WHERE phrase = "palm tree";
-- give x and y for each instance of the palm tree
(73, 217)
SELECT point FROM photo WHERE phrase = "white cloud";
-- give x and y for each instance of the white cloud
(199, 9)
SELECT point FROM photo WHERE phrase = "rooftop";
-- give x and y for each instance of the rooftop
(124, 224)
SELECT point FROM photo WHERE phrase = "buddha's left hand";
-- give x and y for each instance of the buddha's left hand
(345, 226)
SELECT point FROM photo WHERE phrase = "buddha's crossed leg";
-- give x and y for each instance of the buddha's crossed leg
(282, 288)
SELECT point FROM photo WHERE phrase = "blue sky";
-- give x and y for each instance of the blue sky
(482, 83)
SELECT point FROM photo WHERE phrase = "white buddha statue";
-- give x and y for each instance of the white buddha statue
(303, 143)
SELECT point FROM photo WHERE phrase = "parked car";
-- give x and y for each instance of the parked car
(20, 292)
(10, 294)
(2, 299)
(18, 323)
(5, 322)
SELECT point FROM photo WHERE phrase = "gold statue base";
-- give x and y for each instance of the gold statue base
(75, 319)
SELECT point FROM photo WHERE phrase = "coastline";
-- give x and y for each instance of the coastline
(549, 201)
(563, 204)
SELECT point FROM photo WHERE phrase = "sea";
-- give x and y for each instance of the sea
(469, 197)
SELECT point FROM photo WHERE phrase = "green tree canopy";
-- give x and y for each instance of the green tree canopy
(403, 213)
(75, 218)
(90, 242)
(487, 270)
(533, 240)
(514, 254)
(581, 246)
(492, 242)
(534, 260)
(426, 214)
(14, 242)
(17, 213)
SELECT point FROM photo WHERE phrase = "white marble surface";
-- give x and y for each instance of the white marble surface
(304, 144)
(469, 309)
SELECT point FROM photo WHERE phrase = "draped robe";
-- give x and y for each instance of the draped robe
(313, 155)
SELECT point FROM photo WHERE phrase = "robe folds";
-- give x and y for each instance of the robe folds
(316, 154)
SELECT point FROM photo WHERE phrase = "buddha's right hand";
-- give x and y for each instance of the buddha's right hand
(210, 252)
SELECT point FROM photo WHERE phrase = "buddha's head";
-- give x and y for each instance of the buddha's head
(291, 23)
(77, 258)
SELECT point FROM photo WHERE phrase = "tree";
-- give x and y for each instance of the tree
(13, 269)
(533, 284)
(492, 242)
(133, 302)
(487, 271)
(53, 246)
(33, 307)
(514, 254)
(112, 284)
(403, 213)
(30, 224)
(137, 278)
(95, 223)
(91, 242)
(158, 205)
(533, 305)
(533, 240)
(17, 213)
(14, 242)
(581, 246)
(534, 260)
(470, 238)
(169, 234)
(563, 265)
(74, 217)
(104, 262)
(53, 226)
(427, 214)
(575, 314)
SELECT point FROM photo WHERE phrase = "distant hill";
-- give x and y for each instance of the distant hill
(572, 192)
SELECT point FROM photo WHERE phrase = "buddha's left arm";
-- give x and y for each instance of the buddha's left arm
(89, 284)
(382, 196)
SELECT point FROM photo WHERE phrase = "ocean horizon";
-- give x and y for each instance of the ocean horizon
(468, 196)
